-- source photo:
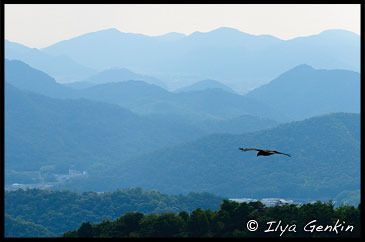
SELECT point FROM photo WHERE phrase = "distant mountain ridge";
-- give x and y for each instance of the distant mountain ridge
(205, 84)
(62, 67)
(304, 92)
(199, 105)
(284, 98)
(242, 60)
(119, 75)
(24, 77)
(144, 98)
(172, 36)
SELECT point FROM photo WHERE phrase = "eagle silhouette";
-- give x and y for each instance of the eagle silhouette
(264, 152)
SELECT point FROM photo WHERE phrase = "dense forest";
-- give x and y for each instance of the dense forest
(16, 227)
(231, 219)
(60, 211)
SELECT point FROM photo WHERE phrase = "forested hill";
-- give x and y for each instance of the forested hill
(325, 161)
(16, 227)
(233, 220)
(43, 131)
(61, 211)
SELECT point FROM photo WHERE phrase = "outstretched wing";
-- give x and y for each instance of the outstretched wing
(249, 149)
(277, 152)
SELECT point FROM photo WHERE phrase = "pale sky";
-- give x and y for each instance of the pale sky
(40, 25)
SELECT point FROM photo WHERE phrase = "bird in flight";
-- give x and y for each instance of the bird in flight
(264, 152)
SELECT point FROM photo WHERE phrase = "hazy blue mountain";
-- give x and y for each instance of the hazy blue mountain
(121, 74)
(145, 98)
(172, 36)
(304, 92)
(344, 44)
(205, 84)
(42, 131)
(238, 125)
(62, 67)
(221, 104)
(142, 97)
(135, 95)
(284, 98)
(325, 161)
(107, 48)
(24, 77)
(80, 84)
(243, 61)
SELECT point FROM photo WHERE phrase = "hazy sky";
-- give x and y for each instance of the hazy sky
(40, 25)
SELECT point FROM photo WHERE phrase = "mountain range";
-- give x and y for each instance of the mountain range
(283, 99)
(126, 130)
(240, 60)
(108, 140)
(144, 98)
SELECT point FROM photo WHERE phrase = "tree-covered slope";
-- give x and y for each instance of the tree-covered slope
(60, 211)
(43, 131)
(231, 220)
(16, 227)
(325, 160)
